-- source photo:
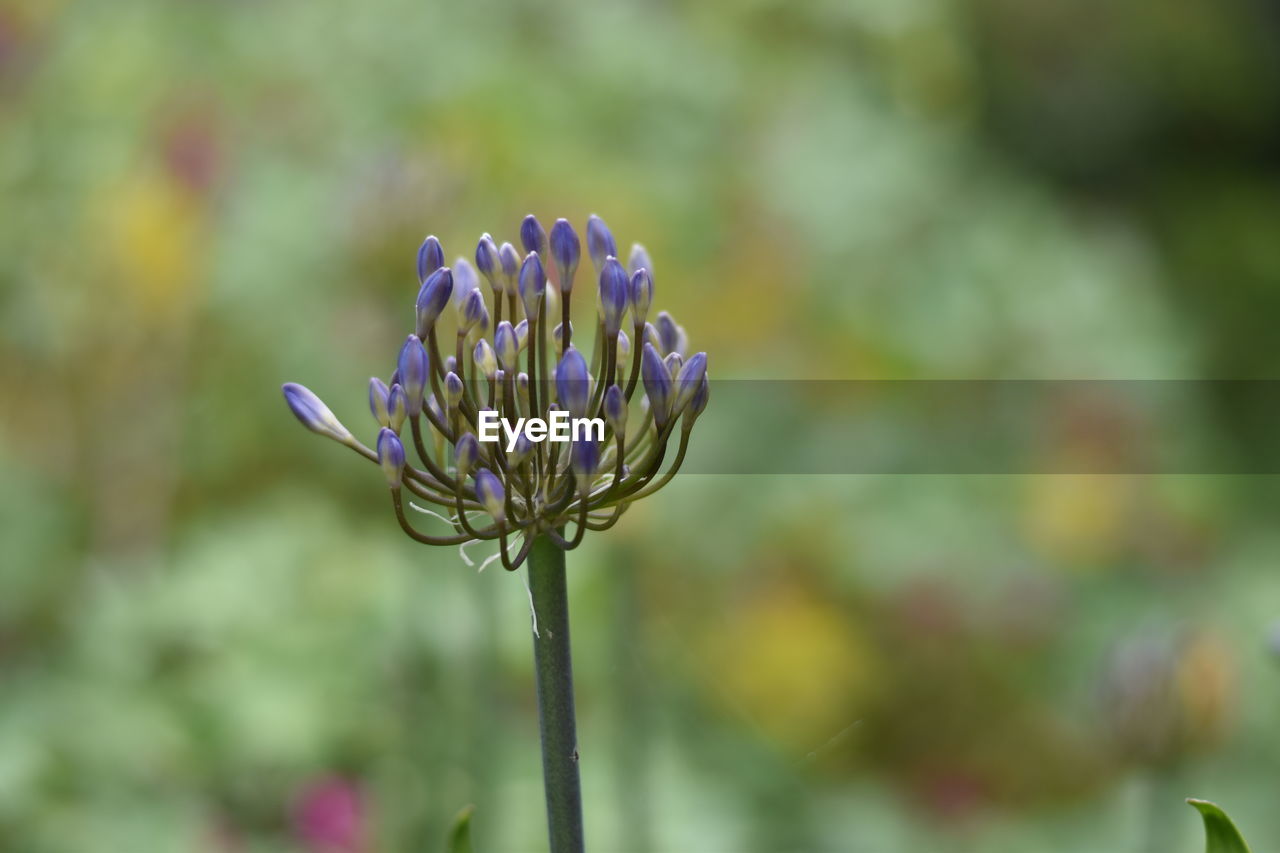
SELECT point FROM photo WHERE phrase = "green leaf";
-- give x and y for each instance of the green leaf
(1221, 834)
(460, 835)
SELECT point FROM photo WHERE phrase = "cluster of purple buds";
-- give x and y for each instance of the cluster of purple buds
(517, 360)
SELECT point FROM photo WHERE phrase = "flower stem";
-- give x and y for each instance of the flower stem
(554, 672)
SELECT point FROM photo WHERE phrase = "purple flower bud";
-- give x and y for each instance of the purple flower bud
(487, 262)
(641, 295)
(573, 383)
(378, 392)
(624, 347)
(566, 251)
(668, 333)
(474, 314)
(533, 283)
(506, 346)
(453, 389)
(509, 260)
(432, 299)
(522, 334)
(522, 450)
(430, 258)
(397, 408)
(674, 361)
(522, 391)
(585, 460)
(639, 260)
(689, 380)
(657, 384)
(651, 336)
(465, 454)
(486, 360)
(615, 409)
(413, 374)
(698, 404)
(465, 280)
(490, 493)
(613, 296)
(450, 364)
(313, 413)
(600, 244)
(391, 456)
(532, 235)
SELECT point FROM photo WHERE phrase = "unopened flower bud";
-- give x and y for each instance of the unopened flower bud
(600, 244)
(487, 262)
(465, 454)
(453, 390)
(397, 408)
(491, 495)
(486, 360)
(391, 457)
(430, 258)
(313, 413)
(585, 460)
(565, 251)
(522, 334)
(532, 235)
(533, 283)
(506, 346)
(413, 373)
(689, 381)
(522, 450)
(639, 260)
(573, 383)
(674, 361)
(657, 384)
(640, 295)
(668, 333)
(613, 296)
(624, 348)
(509, 261)
(378, 392)
(615, 409)
(522, 392)
(698, 404)
(474, 314)
(465, 280)
(432, 299)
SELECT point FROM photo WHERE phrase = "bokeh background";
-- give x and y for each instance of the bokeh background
(213, 638)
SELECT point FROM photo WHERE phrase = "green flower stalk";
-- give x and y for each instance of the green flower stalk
(517, 359)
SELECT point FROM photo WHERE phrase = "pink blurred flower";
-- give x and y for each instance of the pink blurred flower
(329, 817)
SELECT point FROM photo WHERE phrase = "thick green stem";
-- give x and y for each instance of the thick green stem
(554, 671)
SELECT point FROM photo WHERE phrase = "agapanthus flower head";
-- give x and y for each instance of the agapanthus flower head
(518, 356)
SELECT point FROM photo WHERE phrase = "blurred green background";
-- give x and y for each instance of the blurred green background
(213, 637)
